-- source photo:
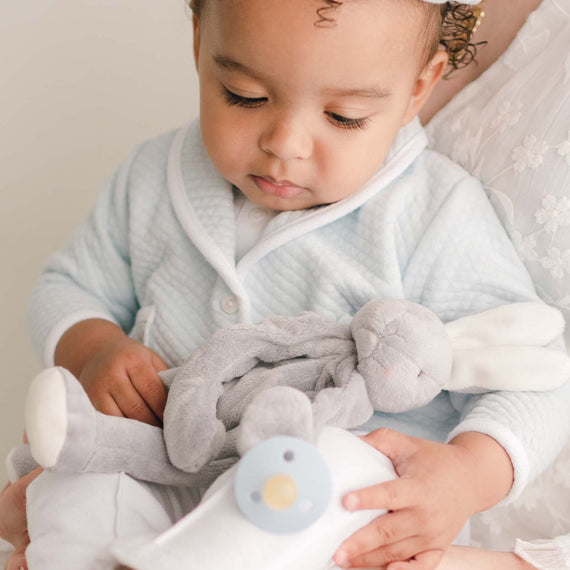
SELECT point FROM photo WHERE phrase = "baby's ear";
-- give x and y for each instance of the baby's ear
(276, 411)
(425, 83)
(196, 42)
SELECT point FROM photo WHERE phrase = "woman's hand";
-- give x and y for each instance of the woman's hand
(428, 504)
(13, 522)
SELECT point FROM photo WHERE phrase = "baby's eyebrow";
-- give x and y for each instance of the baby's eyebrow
(233, 65)
(377, 92)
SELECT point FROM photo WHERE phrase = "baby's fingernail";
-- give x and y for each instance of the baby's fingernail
(341, 558)
(350, 502)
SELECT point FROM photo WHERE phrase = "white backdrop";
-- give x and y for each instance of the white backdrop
(81, 82)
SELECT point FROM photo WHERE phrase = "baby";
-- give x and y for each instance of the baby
(305, 185)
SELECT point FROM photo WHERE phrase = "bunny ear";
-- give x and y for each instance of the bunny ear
(517, 324)
(508, 368)
(506, 348)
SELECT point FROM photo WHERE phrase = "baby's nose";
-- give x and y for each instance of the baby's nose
(287, 139)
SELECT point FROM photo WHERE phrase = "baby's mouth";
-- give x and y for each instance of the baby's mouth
(279, 188)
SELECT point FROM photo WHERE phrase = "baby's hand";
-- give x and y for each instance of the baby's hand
(428, 505)
(121, 379)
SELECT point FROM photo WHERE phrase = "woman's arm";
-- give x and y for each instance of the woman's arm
(503, 19)
(13, 522)
(468, 558)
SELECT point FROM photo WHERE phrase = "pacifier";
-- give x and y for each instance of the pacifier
(283, 484)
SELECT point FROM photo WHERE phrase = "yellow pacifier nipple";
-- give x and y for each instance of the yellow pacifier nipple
(279, 492)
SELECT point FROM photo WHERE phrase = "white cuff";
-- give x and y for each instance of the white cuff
(510, 443)
(59, 329)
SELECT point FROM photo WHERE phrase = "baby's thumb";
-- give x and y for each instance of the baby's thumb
(158, 364)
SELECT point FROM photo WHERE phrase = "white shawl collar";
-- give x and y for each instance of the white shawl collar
(203, 203)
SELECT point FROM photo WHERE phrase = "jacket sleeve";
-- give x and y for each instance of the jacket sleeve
(532, 427)
(465, 263)
(90, 277)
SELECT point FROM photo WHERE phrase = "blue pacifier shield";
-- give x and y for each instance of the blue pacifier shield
(283, 484)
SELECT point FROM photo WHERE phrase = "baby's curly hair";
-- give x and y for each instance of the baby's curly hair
(456, 23)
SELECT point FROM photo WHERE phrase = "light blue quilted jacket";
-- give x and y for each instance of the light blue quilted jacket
(157, 257)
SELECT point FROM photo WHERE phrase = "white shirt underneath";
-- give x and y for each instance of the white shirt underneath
(251, 220)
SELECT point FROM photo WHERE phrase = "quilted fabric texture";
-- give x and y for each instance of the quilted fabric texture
(158, 254)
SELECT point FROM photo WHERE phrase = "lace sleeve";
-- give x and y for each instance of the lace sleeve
(551, 554)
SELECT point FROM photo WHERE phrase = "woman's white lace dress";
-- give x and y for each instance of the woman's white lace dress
(511, 128)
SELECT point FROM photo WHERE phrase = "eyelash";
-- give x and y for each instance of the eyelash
(346, 123)
(234, 100)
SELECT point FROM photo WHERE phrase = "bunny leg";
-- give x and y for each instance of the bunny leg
(56, 414)
(276, 411)
(68, 435)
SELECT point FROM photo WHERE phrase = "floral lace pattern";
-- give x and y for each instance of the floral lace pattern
(511, 129)
(551, 215)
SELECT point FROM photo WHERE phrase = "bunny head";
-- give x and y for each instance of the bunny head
(404, 354)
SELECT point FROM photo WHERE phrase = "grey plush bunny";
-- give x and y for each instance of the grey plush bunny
(291, 376)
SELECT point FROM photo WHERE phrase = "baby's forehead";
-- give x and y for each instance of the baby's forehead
(351, 30)
(331, 13)
(326, 11)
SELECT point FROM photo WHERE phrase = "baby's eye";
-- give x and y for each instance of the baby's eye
(233, 99)
(345, 122)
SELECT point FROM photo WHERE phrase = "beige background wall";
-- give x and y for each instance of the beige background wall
(81, 82)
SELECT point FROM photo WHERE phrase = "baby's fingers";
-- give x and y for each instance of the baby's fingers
(147, 383)
(391, 495)
(106, 404)
(382, 557)
(387, 538)
(133, 406)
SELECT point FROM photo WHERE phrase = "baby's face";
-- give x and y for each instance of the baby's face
(296, 115)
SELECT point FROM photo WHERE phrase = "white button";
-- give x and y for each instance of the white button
(258, 214)
(230, 304)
